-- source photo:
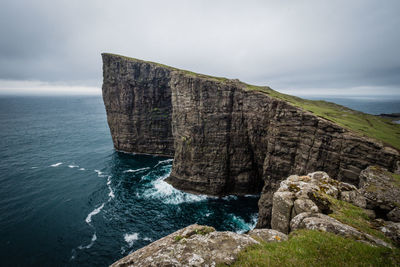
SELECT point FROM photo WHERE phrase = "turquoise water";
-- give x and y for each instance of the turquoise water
(68, 199)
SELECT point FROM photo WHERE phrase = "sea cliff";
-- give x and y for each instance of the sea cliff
(228, 137)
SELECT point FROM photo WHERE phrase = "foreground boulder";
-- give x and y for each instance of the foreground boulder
(298, 194)
(304, 202)
(382, 191)
(198, 245)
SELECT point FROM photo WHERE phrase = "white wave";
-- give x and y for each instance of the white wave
(230, 197)
(147, 239)
(252, 196)
(131, 238)
(242, 226)
(254, 219)
(94, 212)
(34, 167)
(168, 194)
(73, 166)
(137, 170)
(94, 238)
(163, 162)
(56, 164)
(100, 173)
(111, 191)
(81, 169)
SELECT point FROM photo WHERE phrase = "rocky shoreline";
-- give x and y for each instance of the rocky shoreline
(309, 202)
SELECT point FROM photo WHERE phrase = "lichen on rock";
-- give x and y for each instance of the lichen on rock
(198, 245)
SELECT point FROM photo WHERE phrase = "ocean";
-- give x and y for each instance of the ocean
(67, 198)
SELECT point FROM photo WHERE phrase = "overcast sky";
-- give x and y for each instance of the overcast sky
(299, 47)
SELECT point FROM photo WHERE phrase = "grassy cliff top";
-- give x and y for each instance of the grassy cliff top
(375, 127)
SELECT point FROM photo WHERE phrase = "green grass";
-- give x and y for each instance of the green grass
(354, 216)
(393, 177)
(314, 248)
(378, 128)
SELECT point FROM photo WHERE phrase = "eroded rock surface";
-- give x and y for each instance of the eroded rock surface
(268, 235)
(197, 245)
(382, 191)
(298, 194)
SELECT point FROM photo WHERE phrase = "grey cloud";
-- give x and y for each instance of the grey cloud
(284, 44)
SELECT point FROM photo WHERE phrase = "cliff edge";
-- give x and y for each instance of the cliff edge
(228, 137)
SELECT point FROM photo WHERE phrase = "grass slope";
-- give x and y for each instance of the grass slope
(314, 248)
(375, 127)
(378, 128)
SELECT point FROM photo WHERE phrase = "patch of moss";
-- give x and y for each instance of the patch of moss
(203, 230)
(178, 238)
(294, 188)
(314, 248)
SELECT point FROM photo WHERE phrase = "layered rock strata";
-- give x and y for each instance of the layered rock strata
(226, 138)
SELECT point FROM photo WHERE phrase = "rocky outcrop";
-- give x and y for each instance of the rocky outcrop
(382, 191)
(304, 202)
(197, 245)
(225, 137)
(299, 194)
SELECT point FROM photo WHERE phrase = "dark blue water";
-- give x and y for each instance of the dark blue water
(68, 199)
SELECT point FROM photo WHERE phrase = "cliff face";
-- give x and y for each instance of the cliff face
(226, 138)
(137, 98)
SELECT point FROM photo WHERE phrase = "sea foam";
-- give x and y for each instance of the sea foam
(163, 162)
(94, 212)
(94, 238)
(56, 164)
(165, 192)
(131, 238)
(137, 170)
